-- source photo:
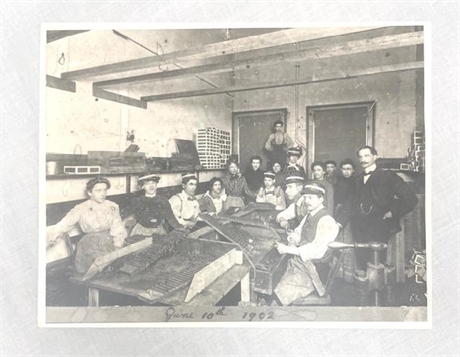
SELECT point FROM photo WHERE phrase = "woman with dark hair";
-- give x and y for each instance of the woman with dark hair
(280, 177)
(213, 200)
(254, 175)
(235, 186)
(99, 219)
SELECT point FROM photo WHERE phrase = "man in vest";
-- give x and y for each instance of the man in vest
(308, 250)
(291, 216)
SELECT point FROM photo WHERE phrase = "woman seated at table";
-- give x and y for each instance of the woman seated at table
(270, 193)
(99, 219)
(213, 200)
(235, 186)
(150, 210)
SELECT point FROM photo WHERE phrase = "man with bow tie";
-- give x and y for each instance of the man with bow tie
(185, 205)
(270, 193)
(381, 199)
(309, 255)
(151, 211)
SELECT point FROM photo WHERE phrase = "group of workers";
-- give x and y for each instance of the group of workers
(312, 211)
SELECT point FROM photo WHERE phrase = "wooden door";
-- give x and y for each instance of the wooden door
(336, 132)
(250, 132)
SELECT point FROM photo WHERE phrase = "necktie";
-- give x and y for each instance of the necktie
(191, 198)
(367, 173)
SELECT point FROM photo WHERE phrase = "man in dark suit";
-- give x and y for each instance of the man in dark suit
(381, 199)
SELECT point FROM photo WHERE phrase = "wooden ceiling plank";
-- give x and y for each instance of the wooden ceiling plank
(290, 82)
(52, 35)
(103, 94)
(249, 43)
(59, 83)
(340, 49)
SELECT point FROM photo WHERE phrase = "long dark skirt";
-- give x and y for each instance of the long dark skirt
(91, 246)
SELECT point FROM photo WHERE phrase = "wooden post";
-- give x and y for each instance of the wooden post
(245, 289)
(396, 254)
(93, 296)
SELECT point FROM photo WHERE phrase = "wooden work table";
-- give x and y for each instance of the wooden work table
(171, 268)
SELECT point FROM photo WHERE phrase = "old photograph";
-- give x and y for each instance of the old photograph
(248, 175)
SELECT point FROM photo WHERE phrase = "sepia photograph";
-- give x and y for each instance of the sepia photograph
(244, 176)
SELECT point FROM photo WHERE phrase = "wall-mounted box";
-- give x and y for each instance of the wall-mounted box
(82, 170)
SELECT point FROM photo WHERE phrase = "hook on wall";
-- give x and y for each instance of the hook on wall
(61, 59)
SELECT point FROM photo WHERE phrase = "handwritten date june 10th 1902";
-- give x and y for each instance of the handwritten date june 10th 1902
(171, 314)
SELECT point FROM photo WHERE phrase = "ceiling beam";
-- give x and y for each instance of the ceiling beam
(57, 35)
(59, 83)
(103, 94)
(290, 82)
(340, 49)
(249, 43)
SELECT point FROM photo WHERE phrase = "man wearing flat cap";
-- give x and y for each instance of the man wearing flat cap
(150, 210)
(185, 205)
(295, 212)
(271, 194)
(307, 247)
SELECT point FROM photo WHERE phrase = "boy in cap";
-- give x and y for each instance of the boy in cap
(319, 171)
(292, 168)
(308, 249)
(184, 205)
(291, 216)
(270, 193)
(99, 219)
(150, 210)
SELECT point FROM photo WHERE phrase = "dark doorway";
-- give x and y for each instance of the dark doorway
(250, 132)
(335, 132)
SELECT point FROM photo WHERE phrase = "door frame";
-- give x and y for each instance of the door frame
(310, 110)
(236, 126)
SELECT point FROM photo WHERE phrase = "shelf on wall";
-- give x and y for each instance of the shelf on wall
(172, 171)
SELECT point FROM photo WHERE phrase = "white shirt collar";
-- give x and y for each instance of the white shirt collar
(316, 210)
(370, 168)
(213, 198)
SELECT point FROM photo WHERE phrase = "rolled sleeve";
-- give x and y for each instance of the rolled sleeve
(176, 206)
(117, 229)
(287, 214)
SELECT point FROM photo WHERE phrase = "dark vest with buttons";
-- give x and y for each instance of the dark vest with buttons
(308, 233)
